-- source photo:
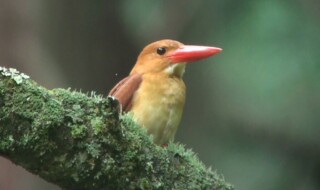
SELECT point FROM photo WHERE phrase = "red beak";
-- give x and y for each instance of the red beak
(188, 53)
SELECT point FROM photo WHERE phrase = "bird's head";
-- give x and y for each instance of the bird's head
(170, 57)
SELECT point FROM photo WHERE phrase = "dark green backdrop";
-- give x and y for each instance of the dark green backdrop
(252, 112)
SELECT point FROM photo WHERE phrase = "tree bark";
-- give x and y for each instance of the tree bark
(80, 141)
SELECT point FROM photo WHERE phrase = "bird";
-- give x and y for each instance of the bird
(154, 91)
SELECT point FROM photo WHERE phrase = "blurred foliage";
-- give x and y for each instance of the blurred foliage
(261, 94)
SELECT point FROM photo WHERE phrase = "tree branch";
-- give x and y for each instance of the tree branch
(78, 141)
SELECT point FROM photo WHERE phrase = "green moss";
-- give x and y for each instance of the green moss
(82, 142)
(78, 131)
(14, 74)
(97, 125)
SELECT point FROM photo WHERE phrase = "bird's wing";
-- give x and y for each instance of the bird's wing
(125, 89)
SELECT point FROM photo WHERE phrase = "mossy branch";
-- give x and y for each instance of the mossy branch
(78, 142)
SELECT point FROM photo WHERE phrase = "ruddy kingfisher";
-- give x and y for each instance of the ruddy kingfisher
(154, 91)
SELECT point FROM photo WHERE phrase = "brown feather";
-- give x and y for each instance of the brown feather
(125, 89)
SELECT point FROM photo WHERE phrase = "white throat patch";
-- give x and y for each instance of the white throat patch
(176, 69)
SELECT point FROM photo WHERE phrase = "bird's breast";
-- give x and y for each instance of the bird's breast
(158, 104)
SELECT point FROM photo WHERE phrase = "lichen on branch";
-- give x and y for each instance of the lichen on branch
(80, 141)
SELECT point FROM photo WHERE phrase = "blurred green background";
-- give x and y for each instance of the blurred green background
(252, 112)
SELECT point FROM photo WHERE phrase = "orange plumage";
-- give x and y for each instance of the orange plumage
(154, 92)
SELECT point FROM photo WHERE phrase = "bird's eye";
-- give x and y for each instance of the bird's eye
(161, 50)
